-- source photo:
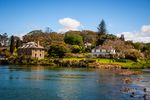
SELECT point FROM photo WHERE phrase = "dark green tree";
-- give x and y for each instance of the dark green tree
(57, 50)
(73, 38)
(102, 31)
(18, 43)
(12, 44)
(76, 49)
(102, 28)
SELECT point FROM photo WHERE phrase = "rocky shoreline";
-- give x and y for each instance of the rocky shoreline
(140, 93)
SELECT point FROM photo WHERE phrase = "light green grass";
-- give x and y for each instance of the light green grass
(126, 64)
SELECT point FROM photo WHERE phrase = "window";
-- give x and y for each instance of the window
(35, 55)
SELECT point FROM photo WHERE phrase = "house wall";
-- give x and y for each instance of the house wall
(102, 52)
(24, 51)
(35, 53)
(38, 53)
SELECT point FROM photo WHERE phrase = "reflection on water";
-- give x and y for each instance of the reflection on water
(43, 83)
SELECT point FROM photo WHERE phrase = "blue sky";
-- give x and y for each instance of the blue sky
(22, 16)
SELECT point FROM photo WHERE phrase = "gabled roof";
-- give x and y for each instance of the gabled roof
(31, 45)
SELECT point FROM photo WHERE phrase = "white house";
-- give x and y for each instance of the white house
(87, 44)
(103, 51)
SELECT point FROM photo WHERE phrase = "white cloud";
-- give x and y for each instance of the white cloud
(69, 24)
(138, 36)
(145, 29)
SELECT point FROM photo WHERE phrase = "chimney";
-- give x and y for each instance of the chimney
(38, 44)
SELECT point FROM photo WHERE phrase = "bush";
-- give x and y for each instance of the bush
(73, 38)
(58, 50)
(134, 55)
(76, 49)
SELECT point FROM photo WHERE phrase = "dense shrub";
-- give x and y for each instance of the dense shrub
(73, 38)
(76, 49)
(57, 50)
(134, 55)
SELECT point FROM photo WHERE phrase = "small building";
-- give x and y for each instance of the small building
(87, 44)
(32, 49)
(103, 51)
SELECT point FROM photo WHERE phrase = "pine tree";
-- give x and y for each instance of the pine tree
(102, 28)
(101, 32)
(12, 44)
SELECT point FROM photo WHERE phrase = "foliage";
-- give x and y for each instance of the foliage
(133, 55)
(102, 28)
(45, 39)
(76, 49)
(147, 54)
(89, 36)
(3, 39)
(73, 63)
(102, 38)
(18, 43)
(118, 45)
(101, 31)
(73, 38)
(57, 50)
(12, 44)
(5, 52)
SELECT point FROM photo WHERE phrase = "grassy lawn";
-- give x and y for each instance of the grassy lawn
(128, 63)
(125, 63)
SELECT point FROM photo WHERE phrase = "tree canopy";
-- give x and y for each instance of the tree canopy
(57, 50)
(3, 39)
(73, 38)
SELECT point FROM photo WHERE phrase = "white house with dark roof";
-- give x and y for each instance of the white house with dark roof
(32, 49)
(103, 51)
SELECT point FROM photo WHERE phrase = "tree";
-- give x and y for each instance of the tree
(3, 39)
(102, 28)
(101, 33)
(122, 37)
(12, 44)
(18, 43)
(134, 54)
(89, 36)
(76, 49)
(105, 37)
(48, 30)
(57, 50)
(45, 39)
(73, 38)
(139, 46)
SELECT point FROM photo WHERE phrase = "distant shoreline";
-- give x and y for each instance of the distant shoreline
(80, 63)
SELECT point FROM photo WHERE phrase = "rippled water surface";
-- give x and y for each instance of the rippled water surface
(43, 83)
